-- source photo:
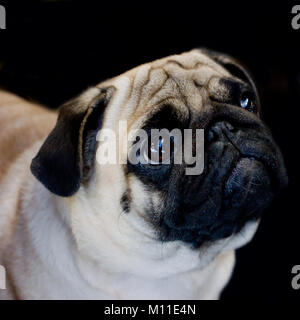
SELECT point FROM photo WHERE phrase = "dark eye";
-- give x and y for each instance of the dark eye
(247, 102)
(158, 150)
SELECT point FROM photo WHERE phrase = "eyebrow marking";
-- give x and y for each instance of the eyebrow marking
(167, 116)
(233, 85)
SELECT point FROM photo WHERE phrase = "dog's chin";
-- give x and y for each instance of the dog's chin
(245, 190)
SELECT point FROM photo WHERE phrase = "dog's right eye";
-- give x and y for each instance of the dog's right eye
(247, 102)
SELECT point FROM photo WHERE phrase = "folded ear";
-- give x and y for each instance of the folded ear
(67, 156)
(234, 66)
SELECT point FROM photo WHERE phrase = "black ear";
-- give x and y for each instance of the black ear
(234, 66)
(67, 156)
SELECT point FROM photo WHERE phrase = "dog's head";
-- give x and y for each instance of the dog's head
(243, 168)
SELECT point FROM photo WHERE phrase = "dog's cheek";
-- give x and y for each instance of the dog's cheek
(155, 206)
(139, 194)
(144, 199)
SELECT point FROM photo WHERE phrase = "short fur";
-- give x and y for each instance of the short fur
(89, 231)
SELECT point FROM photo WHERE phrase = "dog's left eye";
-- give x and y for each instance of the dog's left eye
(246, 102)
(158, 150)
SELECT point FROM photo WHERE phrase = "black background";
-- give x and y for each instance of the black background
(53, 50)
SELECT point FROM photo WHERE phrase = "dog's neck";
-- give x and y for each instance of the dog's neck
(113, 265)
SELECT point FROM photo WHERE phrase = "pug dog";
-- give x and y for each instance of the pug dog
(74, 228)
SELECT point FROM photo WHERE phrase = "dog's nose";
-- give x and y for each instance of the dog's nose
(218, 129)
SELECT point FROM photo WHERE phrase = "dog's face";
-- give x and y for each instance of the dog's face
(243, 168)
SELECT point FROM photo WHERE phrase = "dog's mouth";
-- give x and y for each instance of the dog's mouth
(240, 180)
(248, 178)
(241, 196)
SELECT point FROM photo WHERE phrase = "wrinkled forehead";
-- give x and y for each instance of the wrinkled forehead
(192, 65)
(183, 81)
